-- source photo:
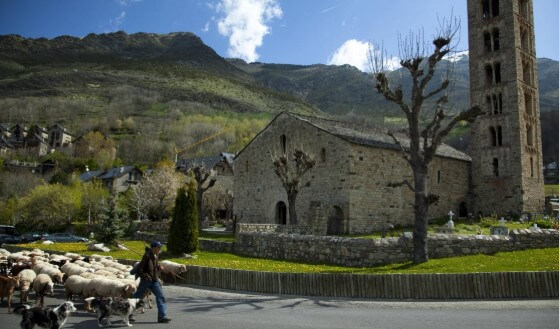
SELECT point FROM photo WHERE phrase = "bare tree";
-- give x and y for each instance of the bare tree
(161, 186)
(420, 60)
(290, 168)
(138, 200)
(201, 174)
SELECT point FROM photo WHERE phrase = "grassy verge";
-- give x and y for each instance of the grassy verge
(552, 189)
(526, 260)
(229, 237)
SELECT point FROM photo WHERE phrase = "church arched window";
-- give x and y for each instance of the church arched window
(495, 167)
(283, 141)
(492, 136)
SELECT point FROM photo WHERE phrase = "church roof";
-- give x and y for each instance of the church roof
(364, 135)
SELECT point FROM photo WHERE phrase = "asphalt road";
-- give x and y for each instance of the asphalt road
(194, 307)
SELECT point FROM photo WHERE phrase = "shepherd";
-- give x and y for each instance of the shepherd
(149, 272)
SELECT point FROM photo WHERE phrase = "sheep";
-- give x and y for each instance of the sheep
(73, 256)
(4, 252)
(75, 285)
(19, 257)
(16, 268)
(71, 269)
(82, 263)
(54, 274)
(105, 287)
(42, 285)
(36, 259)
(41, 266)
(89, 275)
(7, 286)
(172, 270)
(26, 278)
(98, 258)
(106, 274)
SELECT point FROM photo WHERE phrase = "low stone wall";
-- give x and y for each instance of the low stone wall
(358, 252)
(274, 228)
(149, 226)
(217, 246)
(149, 237)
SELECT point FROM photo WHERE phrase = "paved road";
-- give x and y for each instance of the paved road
(192, 307)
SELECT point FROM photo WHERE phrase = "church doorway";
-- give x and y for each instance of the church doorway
(281, 213)
(336, 223)
(462, 210)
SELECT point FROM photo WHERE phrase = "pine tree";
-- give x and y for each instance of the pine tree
(191, 219)
(183, 232)
(111, 226)
(176, 243)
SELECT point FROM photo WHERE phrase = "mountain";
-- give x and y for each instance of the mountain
(179, 66)
(344, 89)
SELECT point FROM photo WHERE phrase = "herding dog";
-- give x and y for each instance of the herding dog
(105, 307)
(44, 317)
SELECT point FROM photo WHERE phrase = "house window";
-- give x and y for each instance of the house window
(525, 41)
(531, 167)
(438, 177)
(497, 72)
(527, 74)
(485, 9)
(495, 8)
(499, 135)
(488, 104)
(283, 141)
(323, 155)
(129, 176)
(495, 104)
(528, 104)
(492, 136)
(529, 135)
(496, 43)
(500, 100)
(489, 74)
(523, 8)
(495, 167)
(246, 166)
(487, 42)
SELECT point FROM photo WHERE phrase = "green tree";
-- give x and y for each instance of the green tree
(50, 206)
(183, 232)
(178, 229)
(111, 226)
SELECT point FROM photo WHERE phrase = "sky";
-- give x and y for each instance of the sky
(270, 31)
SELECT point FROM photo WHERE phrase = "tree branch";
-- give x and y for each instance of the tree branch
(402, 183)
(405, 153)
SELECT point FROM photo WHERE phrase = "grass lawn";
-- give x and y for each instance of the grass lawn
(225, 237)
(460, 227)
(551, 189)
(527, 260)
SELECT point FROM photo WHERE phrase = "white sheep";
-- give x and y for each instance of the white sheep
(172, 270)
(19, 257)
(98, 258)
(41, 266)
(4, 252)
(82, 263)
(89, 275)
(26, 278)
(73, 256)
(42, 285)
(55, 274)
(105, 287)
(72, 269)
(75, 285)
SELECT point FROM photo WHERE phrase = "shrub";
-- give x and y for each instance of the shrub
(543, 223)
(487, 222)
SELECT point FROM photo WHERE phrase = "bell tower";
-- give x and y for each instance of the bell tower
(506, 141)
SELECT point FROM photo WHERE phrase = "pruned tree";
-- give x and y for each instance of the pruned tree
(420, 59)
(291, 167)
(138, 199)
(93, 196)
(201, 174)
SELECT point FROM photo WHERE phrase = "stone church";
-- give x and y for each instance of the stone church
(355, 164)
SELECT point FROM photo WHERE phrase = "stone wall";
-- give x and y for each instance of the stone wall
(273, 228)
(149, 226)
(358, 252)
(203, 244)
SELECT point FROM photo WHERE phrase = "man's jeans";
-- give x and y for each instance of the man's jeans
(157, 290)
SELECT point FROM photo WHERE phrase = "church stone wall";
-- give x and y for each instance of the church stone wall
(258, 190)
(375, 205)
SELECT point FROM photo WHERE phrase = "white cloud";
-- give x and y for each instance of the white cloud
(115, 23)
(244, 22)
(127, 2)
(356, 53)
(206, 27)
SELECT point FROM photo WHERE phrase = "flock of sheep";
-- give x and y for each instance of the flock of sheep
(92, 276)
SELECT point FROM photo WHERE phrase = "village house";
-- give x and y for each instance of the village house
(117, 180)
(37, 140)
